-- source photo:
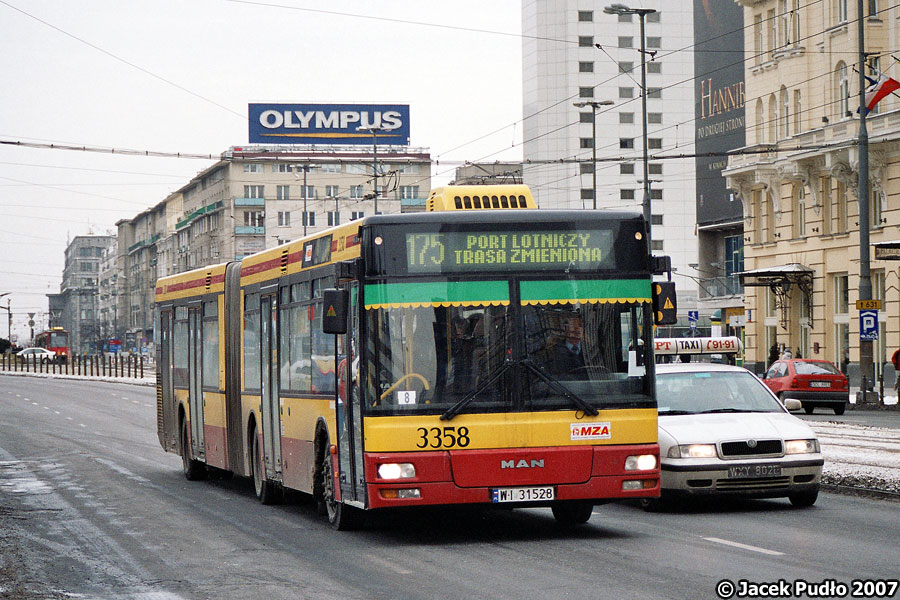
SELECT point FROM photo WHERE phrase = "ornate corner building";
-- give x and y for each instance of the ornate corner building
(797, 178)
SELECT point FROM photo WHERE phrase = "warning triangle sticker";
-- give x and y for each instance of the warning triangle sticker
(331, 312)
(668, 304)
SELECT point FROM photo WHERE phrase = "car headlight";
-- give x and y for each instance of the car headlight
(693, 451)
(801, 446)
(396, 471)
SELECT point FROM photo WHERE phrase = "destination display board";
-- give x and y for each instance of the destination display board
(579, 250)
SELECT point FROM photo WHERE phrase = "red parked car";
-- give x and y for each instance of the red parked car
(812, 382)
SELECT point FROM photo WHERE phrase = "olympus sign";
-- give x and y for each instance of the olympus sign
(329, 124)
(522, 464)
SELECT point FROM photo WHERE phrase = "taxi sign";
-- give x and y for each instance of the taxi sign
(698, 345)
(868, 305)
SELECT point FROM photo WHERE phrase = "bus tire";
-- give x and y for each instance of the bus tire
(572, 512)
(342, 517)
(194, 470)
(264, 489)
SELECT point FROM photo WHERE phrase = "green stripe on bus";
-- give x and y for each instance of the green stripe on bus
(591, 290)
(437, 292)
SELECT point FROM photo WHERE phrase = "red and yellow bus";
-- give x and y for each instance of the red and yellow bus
(482, 352)
(55, 339)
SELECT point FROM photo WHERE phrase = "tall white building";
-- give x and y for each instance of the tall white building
(562, 65)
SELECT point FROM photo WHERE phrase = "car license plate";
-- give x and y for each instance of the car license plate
(738, 472)
(523, 494)
(820, 384)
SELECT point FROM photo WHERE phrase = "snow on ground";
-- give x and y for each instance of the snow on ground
(859, 455)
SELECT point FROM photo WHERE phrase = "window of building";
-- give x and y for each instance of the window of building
(586, 117)
(654, 68)
(656, 219)
(771, 31)
(586, 168)
(654, 17)
(586, 92)
(797, 106)
(357, 215)
(626, 168)
(253, 168)
(842, 81)
(282, 192)
(284, 218)
(841, 207)
(626, 66)
(656, 194)
(585, 16)
(825, 199)
(654, 118)
(626, 41)
(654, 143)
(626, 194)
(773, 119)
(875, 207)
(657, 245)
(626, 118)
(254, 191)
(282, 168)
(626, 18)
(334, 218)
(356, 192)
(357, 168)
(840, 10)
(331, 191)
(655, 168)
(409, 192)
(785, 113)
(758, 47)
(309, 219)
(587, 194)
(799, 210)
(586, 142)
(254, 218)
(654, 41)
(626, 92)
(330, 168)
(585, 41)
(654, 93)
(626, 143)
(585, 67)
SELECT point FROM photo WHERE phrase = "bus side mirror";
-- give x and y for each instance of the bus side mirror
(665, 311)
(334, 318)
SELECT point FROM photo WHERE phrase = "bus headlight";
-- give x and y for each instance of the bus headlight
(396, 471)
(640, 462)
(801, 446)
(693, 451)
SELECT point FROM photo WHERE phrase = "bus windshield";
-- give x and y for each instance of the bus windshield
(530, 355)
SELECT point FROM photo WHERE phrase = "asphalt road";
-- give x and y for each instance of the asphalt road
(91, 507)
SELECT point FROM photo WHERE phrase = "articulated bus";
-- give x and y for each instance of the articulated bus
(481, 352)
(55, 339)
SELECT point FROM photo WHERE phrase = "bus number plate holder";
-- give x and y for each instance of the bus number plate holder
(523, 494)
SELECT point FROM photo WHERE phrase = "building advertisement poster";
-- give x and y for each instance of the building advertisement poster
(388, 124)
(719, 105)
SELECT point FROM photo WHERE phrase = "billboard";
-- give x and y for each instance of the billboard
(329, 123)
(719, 104)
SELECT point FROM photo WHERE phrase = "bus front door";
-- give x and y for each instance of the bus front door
(271, 407)
(349, 415)
(195, 388)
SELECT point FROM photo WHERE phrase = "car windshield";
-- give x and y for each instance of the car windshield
(479, 358)
(712, 391)
(815, 368)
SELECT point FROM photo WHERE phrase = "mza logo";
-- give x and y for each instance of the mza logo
(590, 431)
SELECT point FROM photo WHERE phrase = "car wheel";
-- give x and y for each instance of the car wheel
(804, 499)
(342, 517)
(839, 410)
(808, 408)
(573, 512)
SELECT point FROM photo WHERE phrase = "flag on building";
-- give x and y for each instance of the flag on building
(879, 89)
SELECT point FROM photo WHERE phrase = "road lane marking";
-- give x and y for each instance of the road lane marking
(743, 546)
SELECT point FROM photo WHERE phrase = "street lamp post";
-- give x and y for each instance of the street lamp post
(8, 309)
(305, 169)
(594, 104)
(374, 131)
(621, 9)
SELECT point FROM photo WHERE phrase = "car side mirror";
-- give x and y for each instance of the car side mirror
(792, 404)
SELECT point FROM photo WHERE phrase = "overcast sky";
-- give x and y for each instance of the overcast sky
(177, 76)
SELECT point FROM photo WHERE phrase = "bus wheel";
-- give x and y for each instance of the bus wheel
(194, 470)
(265, 489)
(341, 516)
(573, 512)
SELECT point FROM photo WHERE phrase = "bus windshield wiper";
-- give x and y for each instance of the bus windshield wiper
(497, 374)
(558, 387)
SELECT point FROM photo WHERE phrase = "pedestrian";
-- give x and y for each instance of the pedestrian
(786, 355)
(895, 359)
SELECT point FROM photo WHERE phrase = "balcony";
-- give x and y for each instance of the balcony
(238, 202)
(719, 287)
(249, 230)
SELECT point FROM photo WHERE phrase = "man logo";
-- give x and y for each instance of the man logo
(522, 464)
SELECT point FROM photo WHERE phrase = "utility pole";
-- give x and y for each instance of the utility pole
(594, 104)
(374, 131)
(305, 169)
(866, 363)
